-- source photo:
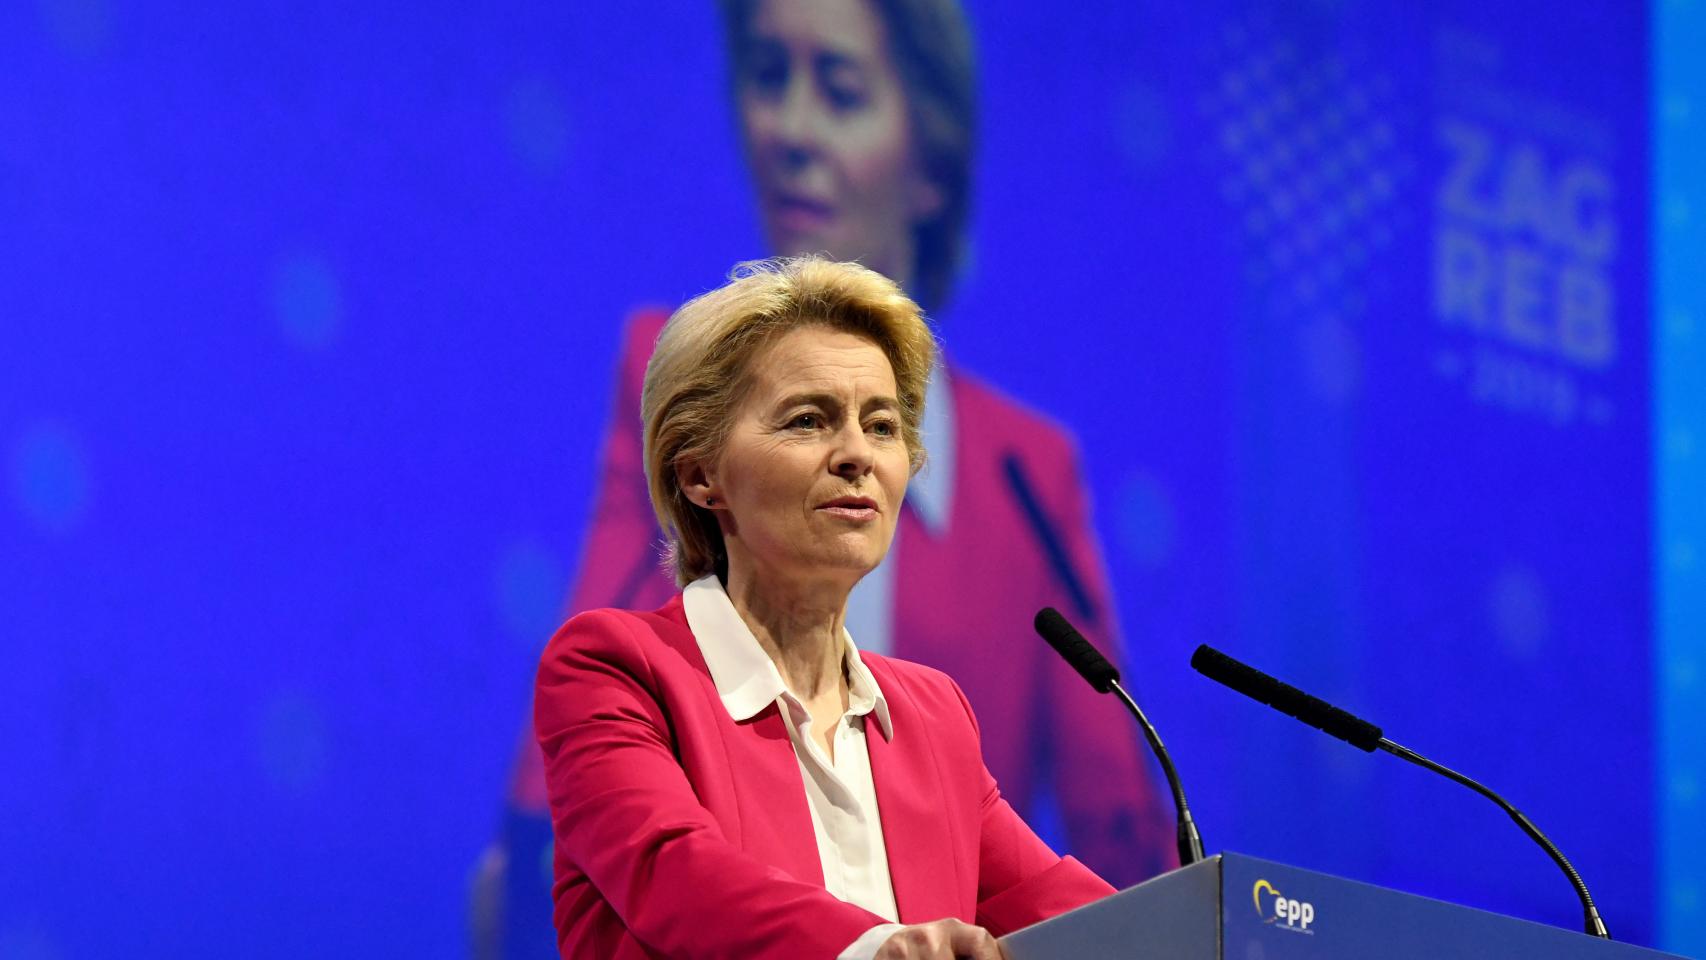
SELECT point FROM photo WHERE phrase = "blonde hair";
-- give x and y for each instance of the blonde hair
(699, 372)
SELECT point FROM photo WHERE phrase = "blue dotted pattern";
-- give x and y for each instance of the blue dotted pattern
(1312, 166)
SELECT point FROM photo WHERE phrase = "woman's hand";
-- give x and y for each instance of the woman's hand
(940, 940)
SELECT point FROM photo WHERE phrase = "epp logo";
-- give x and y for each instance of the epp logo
(1280, 910)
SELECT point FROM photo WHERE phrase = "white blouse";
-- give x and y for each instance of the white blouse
(839, 791)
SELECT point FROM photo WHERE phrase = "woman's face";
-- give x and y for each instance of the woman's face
(829, 135)
(811, 479)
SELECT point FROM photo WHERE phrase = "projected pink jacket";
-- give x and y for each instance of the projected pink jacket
(1018, 538)
(681, 832)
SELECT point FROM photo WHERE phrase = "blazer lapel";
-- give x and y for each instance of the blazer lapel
(772, 820)
(912, 799)
(776, 824)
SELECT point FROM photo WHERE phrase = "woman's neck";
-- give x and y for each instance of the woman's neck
(798, 623)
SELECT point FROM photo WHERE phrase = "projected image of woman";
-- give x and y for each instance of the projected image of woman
(858, 122)
(850, 154)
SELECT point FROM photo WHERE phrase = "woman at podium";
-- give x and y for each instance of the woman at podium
(858, 121)
(728, 774)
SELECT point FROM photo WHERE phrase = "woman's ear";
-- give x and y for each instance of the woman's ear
(696, 483)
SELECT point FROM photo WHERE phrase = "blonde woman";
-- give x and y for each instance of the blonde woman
(730, 775)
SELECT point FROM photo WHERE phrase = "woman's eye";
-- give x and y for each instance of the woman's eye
(884, 428)
(845, 99)
(805, 421)
(843, 87)
(770, 77)
(767, 69)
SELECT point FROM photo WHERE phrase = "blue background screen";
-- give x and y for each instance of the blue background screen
(1373, 325)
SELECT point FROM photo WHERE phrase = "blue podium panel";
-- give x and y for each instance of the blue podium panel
(1233, 907)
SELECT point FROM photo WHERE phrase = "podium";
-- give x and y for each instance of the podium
(1233, 907)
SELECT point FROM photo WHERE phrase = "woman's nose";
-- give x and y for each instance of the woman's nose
(798, 117)
(854, 456)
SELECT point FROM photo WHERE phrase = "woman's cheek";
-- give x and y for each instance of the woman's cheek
(874, 165)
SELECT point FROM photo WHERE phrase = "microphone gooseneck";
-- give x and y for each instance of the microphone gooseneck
(1360, 733)
(1105, 678)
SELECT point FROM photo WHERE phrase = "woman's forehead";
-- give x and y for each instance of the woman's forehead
(850, 28)
(821, 360)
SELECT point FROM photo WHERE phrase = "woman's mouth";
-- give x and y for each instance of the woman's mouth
(794, 214)
(852, 508)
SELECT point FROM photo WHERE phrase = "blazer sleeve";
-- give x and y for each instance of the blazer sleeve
(619, 551)
(625, 814)
(1020, 881)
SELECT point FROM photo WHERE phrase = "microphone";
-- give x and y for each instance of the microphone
(1360, 733)
(1286, 698)
(1102, 675)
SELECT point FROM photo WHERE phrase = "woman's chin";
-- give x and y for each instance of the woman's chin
(857, 559)
(789, 239)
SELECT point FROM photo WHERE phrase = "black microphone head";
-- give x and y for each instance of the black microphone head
(1070, 644)
(1285, 698)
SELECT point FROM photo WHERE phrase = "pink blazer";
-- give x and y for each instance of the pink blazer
(681, 833)
(964, 598)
